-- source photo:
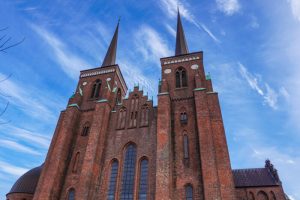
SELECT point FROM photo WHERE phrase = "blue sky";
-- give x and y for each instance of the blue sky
(251, 49)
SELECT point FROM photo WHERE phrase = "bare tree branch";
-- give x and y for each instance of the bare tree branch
(5, 42)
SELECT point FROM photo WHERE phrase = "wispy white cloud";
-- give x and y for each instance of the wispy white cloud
(171, 30)
(26, 135)
(70, 63)
(27, 99)
(269, 95)
(229, 7)
(150, 44)
(17, 147)
(295, 7)
(12, 169)
(171, 7)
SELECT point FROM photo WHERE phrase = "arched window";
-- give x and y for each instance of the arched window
(134, 110)
(186, 146)
(122, 118)
(113, 180)
(189, 192)
(143, 187)
(127, 191)
(86, 129)
(251, 196)
(71, 195)
(145, 115)
(96, 89)
(75, 164)
(261, 195)
(181, 77)
(273, 197)
(119, 97)
(183, 118)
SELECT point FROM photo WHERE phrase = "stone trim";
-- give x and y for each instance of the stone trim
(181, 60)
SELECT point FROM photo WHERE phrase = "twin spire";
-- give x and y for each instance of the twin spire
(181, 45)
(110, 57)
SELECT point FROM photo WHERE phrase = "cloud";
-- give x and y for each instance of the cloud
(17, 147)
(295, 7)
(229, 7)
(171, 30)
(171, 7)
(70, 63)
(26, 135)
(30, 100)
(150, 44)
(12, 169)
(269, 95)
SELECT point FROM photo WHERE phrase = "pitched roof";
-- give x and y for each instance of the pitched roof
(256, 177)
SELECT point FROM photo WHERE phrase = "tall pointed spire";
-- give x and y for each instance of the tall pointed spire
(110, 57)
(181, 46)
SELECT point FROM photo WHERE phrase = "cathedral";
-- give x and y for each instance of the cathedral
(111, 146)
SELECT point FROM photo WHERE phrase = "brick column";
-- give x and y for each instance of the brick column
(220, 144)
(54, 169)
(211, 185)
(163, 158)
(91, 166)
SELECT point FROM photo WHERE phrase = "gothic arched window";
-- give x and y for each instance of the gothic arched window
(143, 187)
(127, 191)
(75, 164)
(122, 118)
(181, 77)
(119, 96)
(113, 180)
(261, 195)
(183, 118)
(186, 146)
(96, 89)
(145, 115)
(71, 194)
(85, 130)
(189, 192)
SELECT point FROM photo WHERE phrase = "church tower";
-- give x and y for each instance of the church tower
(191, 144)
(77, 148)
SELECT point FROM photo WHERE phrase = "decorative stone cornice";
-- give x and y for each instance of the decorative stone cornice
(180, 60)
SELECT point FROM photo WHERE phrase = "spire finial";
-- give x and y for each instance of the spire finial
(181, 45)
(110, 57)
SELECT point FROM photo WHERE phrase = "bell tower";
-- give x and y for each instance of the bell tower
(75, 156)
(191, 144)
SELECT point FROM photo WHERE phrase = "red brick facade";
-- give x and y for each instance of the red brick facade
(182, 140)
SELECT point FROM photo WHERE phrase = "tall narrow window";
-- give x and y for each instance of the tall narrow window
(122, 118)
(127, 191)
(189, 192)
(96, 89)
(183, 118)
(186, 146)
(85, 130)
(113, 180)
(144, 115)
(75, 164)
(143, 187)
(119, 97)
(134, 110)
(181, 77)
(71, 195)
